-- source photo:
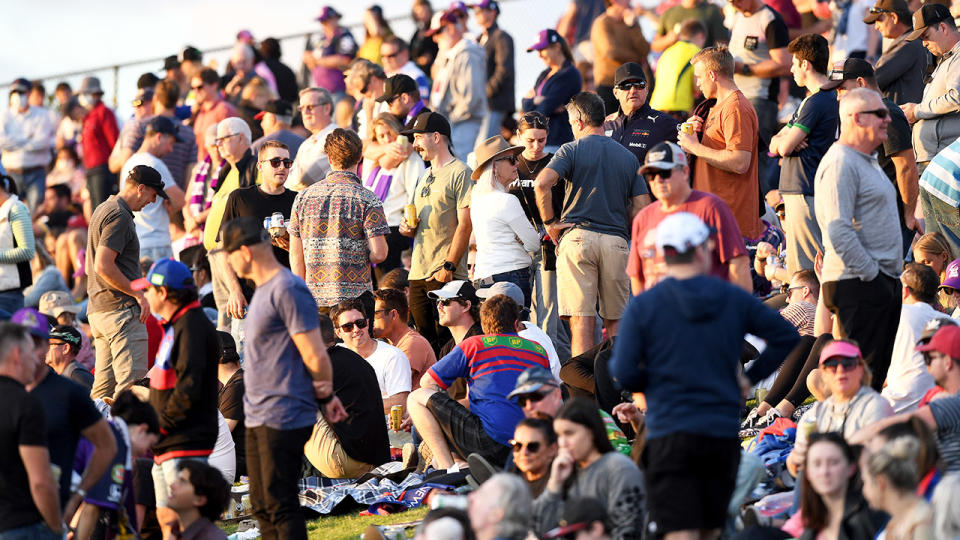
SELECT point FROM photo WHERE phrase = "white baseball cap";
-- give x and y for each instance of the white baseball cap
(681, 232)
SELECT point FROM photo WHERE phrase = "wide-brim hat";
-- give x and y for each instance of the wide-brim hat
(491, 149)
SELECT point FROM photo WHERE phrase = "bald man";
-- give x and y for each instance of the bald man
(856, 207)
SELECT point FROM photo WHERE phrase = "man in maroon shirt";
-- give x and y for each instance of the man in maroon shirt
(100, 133)
(666, 171)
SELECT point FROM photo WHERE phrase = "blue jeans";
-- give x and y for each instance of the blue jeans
(520, 278)
(31, 184)
(37, 531)
(11, 301)
(101, 183)
(463, 135)
(489, 126)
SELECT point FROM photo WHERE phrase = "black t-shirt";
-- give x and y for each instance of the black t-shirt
(21, 423)
(522, 187)
(363, 434)
(898, 139)
(68, 411)
(231, 407)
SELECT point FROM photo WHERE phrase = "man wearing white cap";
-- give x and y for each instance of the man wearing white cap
(680, 343)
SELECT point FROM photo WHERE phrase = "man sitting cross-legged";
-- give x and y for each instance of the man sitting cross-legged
(490, 363)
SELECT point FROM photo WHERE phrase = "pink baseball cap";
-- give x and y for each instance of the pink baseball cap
(839, 348)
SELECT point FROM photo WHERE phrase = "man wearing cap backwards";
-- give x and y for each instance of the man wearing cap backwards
(443, 226)
(895, 155)
(153, 222)
(692, 421)
(459, 81)
(116, 311)
(68, 414)
(500, 67)
(183, 381)
(856, 210)
(275, 121)
(288, 375)
(667, 173)
(942, 413)
(331, 54)
(802, 144)
(908, 380)
(62, 356)
(903, 64)
(635, 125)
(490, 364)
(337, 227)
(727, 150)
(99, 134)
(603, 194)
(26, 138)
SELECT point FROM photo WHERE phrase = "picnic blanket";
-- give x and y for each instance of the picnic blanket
(376, 490)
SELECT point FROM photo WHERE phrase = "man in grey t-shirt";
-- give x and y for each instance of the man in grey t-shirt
(603, 195)
(116, 312)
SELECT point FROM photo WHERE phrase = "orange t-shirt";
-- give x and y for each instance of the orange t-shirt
(732, 125)
(420, 354)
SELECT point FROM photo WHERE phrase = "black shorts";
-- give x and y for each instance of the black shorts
(690, 479)
(464, 431)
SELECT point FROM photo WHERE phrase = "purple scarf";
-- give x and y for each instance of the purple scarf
(382, 187)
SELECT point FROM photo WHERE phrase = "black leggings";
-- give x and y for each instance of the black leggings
(791, 382)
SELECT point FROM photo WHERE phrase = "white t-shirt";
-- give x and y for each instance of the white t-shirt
(855, 38)
(392, 367)
(311, 164)
(224, 455)
(153, 222)
(908, 379)
(498, 222)
(403, 180)
(534, 333)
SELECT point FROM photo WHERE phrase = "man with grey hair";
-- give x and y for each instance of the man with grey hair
(501, 508)
(311, 164)
(856, 209)
(604, 194)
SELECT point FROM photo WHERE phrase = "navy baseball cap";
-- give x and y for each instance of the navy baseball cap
(166, 273)
(533, 379)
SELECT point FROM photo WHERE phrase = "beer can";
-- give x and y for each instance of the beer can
(410, 215)
(807, 428)
(686, 127)
(448, 501)
(396, 417)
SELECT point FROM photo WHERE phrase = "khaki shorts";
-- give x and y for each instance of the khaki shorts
(592, 266)
(324, 452)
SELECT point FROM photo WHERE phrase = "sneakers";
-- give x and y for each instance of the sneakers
(425, 458)
(751, 419)
(480, 468)
(768, 419)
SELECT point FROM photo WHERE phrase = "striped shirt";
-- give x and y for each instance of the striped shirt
(946, 412)
(491, 365)
(942, 176)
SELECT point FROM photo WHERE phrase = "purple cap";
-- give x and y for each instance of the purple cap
(840, 348)
(487, 4)
(328, 13)
(544, 39)
(245, 36)
(952, 278)
(32, 320)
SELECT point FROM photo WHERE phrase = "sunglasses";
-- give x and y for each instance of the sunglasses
(512, 159)
(534, 121)
(532, 398)
(445, 302)
(632, 84)
(275, 162)
(308, 108)
(359, 323)
(653, 174)
(948, 290)
(532, 447)
(425, 192)
(879, 113)
(831, 364)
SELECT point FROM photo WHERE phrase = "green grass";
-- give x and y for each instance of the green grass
(349, 526)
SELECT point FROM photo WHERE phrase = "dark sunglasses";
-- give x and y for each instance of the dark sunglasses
(831, 364)
(534, 121)
(359, 323)
(632, 84)
(197, 88)
(948, 290)
(652, 174)
(879, 113)
(445, 302)
(275, 162)
(532, 398)
(426, 186)
(512, 159)
(532, 447)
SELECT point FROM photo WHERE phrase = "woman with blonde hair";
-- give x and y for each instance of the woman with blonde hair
(504, 236)
(377, 30)
(890, 478)
(933, 250)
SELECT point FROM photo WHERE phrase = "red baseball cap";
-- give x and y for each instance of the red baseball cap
(946, 341)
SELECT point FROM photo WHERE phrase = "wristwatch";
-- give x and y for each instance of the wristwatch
(81, 492)
(550, 221)
(746, 70)
(449, 266)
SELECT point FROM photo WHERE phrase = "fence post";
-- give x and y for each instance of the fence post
(116, 85)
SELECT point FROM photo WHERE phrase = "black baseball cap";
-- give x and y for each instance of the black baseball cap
(631, 71)
(849, 70)
(66, 333)
(429, 122)
(148, 176)
(190, 54)
(229, 348)
(889, 6)
(162, 124)
(928, 15)
(171, 62)
(275, 106)
(243, 231)
(579, 514)
(397, 86)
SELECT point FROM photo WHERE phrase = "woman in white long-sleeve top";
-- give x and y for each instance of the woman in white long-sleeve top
(504, 236)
